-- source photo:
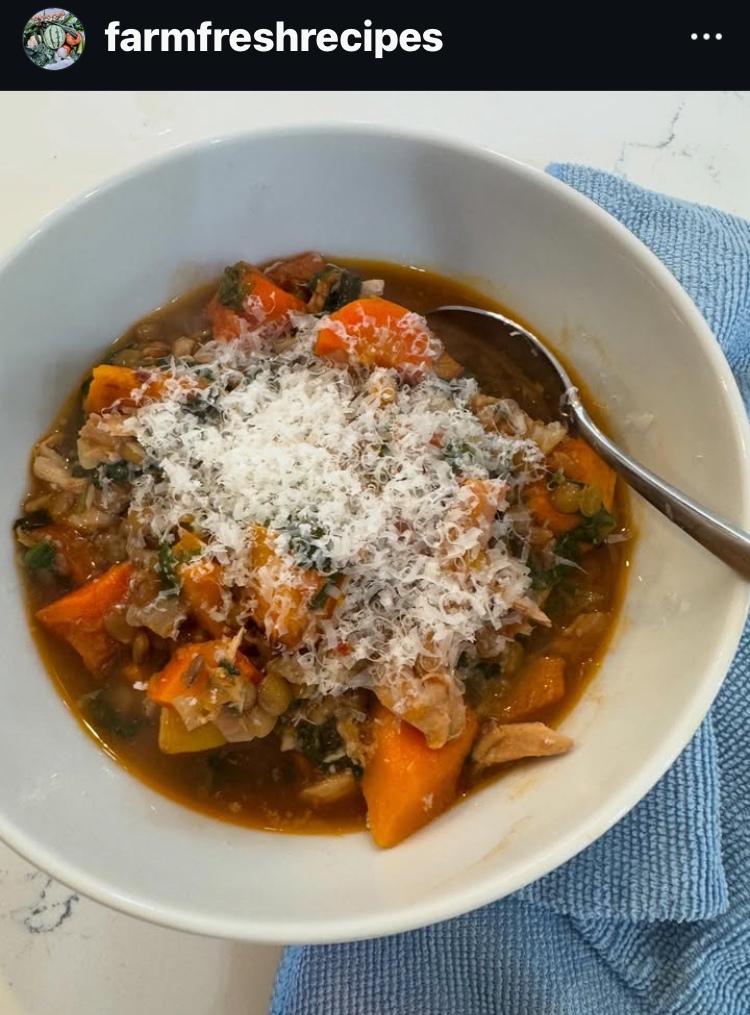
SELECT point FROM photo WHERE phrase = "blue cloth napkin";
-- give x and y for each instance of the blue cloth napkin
(655, 916)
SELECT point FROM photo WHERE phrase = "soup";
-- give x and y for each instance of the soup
(291, 567)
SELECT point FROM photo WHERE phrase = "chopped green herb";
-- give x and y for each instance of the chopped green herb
(166, 566)
(345, 291)
(117, 471)
(318, 743)
(229, 667)
(592, 531)
(33, 520)
(322, 596)
(233, 289)
(304, 549)
(39, 557)
(200, 407)
(458, 456)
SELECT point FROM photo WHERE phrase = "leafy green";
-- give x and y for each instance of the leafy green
(319, 742)
(167, 562)
(346, 291)
(166, 565)
(591, 532)
(200, 407)
(117, 471)
(304, 549)
(322, 596)
(39, 557)
(229, 667)
(33, 520)
(105, 716)
(233, 287)
(458, 456)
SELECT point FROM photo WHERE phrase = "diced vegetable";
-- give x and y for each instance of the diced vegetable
(376, 332)
(247, 299)
(39, 557)
(74, 547)
(180, 676)
(540, 683)
(79, 616)
(538, 498)
(282, 591)
(203, 591)
(406, 783)
(110, 384)
(297, 274)
(174, 738)
(564, 507)
(579, 462)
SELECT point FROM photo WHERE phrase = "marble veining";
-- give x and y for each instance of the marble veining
(50, 906)
(621, 163)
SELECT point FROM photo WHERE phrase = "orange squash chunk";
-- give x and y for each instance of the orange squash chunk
(540, 683)
(538, 500)
(79, 616)
(204, 594)
(406, 783)
(579, 462)
(172, 682)
(376, 332)
(250, 301)
(282, 591)
(113, 386)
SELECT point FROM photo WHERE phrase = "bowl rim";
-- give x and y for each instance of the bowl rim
(454, 902)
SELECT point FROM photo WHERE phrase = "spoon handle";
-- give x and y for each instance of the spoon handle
(719, 537)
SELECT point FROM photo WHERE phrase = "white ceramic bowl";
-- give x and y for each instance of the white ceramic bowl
(580, 279)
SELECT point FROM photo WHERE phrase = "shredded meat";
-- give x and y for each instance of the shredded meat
(433, 704)
(101, 440)
(498, 743)
(529, 609)
(50, 466)
(330, 790)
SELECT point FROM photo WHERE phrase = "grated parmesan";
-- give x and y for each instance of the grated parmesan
(359, 474)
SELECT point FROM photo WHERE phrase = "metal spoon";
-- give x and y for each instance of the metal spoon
(506, 357)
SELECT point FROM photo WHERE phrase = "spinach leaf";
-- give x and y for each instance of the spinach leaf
(458, 456)
(322, 596)
(117, 471)
(318, 742)
(592, 531)
(40, 557)
(345, 291)
(234, 287)
(33, 520)
(166, 565)
(105, 716)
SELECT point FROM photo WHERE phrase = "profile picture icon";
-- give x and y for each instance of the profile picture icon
(53, 39)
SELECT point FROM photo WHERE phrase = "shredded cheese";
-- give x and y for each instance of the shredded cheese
(361, 475)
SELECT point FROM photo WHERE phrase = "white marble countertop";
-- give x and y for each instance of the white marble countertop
(65, 955)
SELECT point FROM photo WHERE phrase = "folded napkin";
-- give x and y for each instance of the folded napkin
(655, 916)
